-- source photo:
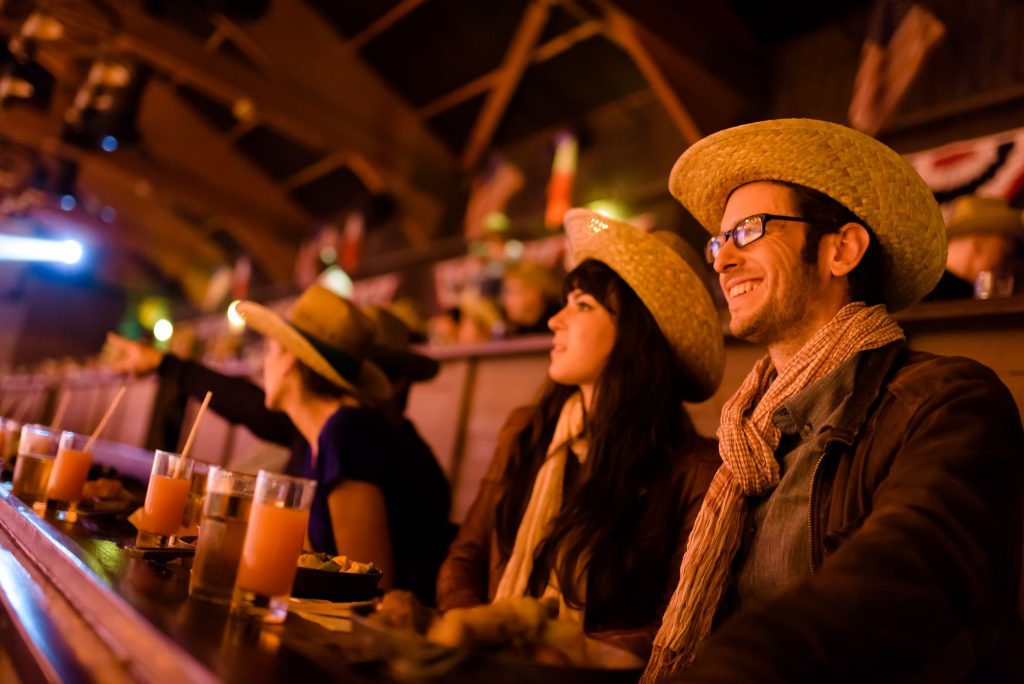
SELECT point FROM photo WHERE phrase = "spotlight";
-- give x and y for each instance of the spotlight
(109, 143)
(68, 202)
(16, 248)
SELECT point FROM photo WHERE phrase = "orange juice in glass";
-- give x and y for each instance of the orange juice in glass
(166, 496)
(273, 543)
(67, 477)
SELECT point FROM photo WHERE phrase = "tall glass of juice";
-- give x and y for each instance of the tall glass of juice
(225, 516)
(67, 477)
(166, 495)
(37, 450)
(273, 543)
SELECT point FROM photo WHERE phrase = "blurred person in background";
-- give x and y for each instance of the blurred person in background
(479, 319)
(530, 296)
(592, 492)
(986, 237)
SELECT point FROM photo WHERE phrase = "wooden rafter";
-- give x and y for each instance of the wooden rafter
(384, 22)
(511, 72)
(241, 40)
(626, 33)
(419, 177)
(548, 50)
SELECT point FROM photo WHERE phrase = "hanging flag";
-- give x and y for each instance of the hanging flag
(900, 37)
(352, 241)
(240, 278)
(563, 174)
(492, 188)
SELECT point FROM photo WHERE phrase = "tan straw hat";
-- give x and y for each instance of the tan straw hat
(862, 174)
(328, 334)
(973, 214)
(390, 349)
(654, 266)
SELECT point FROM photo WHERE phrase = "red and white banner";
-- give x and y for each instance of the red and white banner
(992, 166)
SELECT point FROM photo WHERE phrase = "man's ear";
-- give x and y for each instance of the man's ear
(847, 248)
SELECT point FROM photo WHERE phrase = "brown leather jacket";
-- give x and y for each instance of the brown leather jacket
(470, 574)
(915, 524)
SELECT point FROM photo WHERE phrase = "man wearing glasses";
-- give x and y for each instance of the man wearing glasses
(866, 522)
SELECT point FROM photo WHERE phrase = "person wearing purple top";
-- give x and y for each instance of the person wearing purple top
(381, 495)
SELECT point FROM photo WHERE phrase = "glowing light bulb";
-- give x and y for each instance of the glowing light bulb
(163, 330)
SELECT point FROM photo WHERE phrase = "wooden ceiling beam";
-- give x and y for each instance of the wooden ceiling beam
(510, 74)
(383, 23)
(626, 33)
(543, 53)
(702, 88)
(414, 165)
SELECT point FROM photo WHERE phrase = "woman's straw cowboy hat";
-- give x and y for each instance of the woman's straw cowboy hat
(390, 349)
(327, 333)
(664, 272)
(862, 174)
(973, 214)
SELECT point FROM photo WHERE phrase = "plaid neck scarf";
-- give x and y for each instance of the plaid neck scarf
(747, 442)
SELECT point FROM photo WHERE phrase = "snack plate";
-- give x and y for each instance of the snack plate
(335, 586)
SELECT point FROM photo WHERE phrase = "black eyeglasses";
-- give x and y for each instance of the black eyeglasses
(750, 229)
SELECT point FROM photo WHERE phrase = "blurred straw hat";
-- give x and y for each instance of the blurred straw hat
(412, 316)
(862, 174)
(662, 270)
(390, 348)
(328, 334)
(974, 214)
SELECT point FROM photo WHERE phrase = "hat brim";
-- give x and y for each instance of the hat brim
(862, 174)
(405, 364)
(1005, 223)
(372, 383)
(668, 287)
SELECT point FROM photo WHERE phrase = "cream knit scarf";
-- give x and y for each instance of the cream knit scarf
(747, 442)
(545, 503)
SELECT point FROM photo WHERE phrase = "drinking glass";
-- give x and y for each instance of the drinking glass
(67, 477)
(273, 542)
(993, 284)
(164, 510)
(36, 453)
(196, 494)
(225, 515)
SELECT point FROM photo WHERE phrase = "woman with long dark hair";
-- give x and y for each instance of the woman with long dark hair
(592, 491)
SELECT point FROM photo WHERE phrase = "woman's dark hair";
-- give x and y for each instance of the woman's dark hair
(866, 279)
(318, 384)
(619, 504)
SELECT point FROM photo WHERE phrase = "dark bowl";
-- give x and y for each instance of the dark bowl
(335, 586)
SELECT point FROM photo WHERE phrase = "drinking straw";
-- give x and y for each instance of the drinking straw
(62, 408)
(106, 418)
(195, 425)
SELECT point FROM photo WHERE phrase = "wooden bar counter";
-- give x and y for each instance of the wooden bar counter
(76, 606)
